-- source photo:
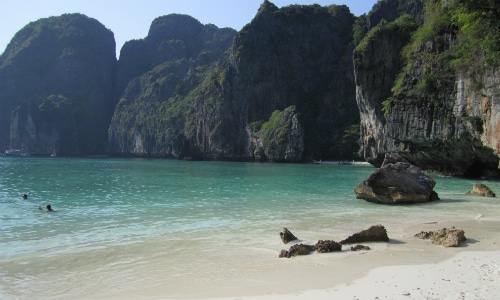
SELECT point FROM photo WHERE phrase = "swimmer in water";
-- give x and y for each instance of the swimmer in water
(25, 196)
(48, 207)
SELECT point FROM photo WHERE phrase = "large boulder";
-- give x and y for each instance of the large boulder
(481, 190)
(376, 233)
(397, 182)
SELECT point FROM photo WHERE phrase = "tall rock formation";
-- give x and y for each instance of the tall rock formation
(283, 91)
(435, 115)
(56, 87)
(296, 56)
(155, 78)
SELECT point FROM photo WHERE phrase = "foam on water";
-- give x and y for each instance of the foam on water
(138, 224)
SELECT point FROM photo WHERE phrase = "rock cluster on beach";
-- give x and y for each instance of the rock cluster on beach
(397, 182)
(376, 233)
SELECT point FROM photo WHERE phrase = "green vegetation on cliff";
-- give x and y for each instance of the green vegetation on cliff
(478, 23)
(275, 130)
(459, 37)
(475, 25)
(439, 111)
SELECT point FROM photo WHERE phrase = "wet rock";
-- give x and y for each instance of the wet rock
(481, 190)
(327, 246)
(445, 237)
(298, 249)
(287, 236)
(376, 233)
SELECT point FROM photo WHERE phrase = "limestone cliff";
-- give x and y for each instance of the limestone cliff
(424, 83)
(56, 85)
(436, 115)
(170, 38)
(297, 56)
(294, 56)
(156, 79)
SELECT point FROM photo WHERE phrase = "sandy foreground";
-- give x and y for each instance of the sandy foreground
(405, 268)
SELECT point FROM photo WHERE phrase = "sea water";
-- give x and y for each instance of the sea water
(142, 224)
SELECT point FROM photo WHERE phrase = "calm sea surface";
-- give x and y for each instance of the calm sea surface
(139, 224)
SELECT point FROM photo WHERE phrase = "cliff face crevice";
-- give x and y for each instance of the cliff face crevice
(377, 62)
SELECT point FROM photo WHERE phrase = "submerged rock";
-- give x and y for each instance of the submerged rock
(360, 247)
(481, 190)
(397, 182)
(445, 237)
(376, 233)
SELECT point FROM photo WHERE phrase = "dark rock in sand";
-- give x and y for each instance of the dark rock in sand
(481, 190)
(445, 237)
(359, 248)
(299, 249)
(287, 236)
(376, 233)
(397, 182)
(327, 246)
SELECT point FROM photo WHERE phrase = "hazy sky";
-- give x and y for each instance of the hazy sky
(130, 19)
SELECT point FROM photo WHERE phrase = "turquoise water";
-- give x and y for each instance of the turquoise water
(116, 218)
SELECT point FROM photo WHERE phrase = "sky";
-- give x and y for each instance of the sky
(130, 19)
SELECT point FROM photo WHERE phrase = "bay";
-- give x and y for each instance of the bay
(138, 224)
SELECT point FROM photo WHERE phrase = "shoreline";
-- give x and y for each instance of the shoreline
(404, 268)
(466, 275)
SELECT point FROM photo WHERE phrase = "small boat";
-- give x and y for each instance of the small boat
(344, 162)
(12, 152)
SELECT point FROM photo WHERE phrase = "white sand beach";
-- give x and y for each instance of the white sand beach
(406, 268)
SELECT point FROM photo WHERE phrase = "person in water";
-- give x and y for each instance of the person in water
(48, 207)
(25, 196)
